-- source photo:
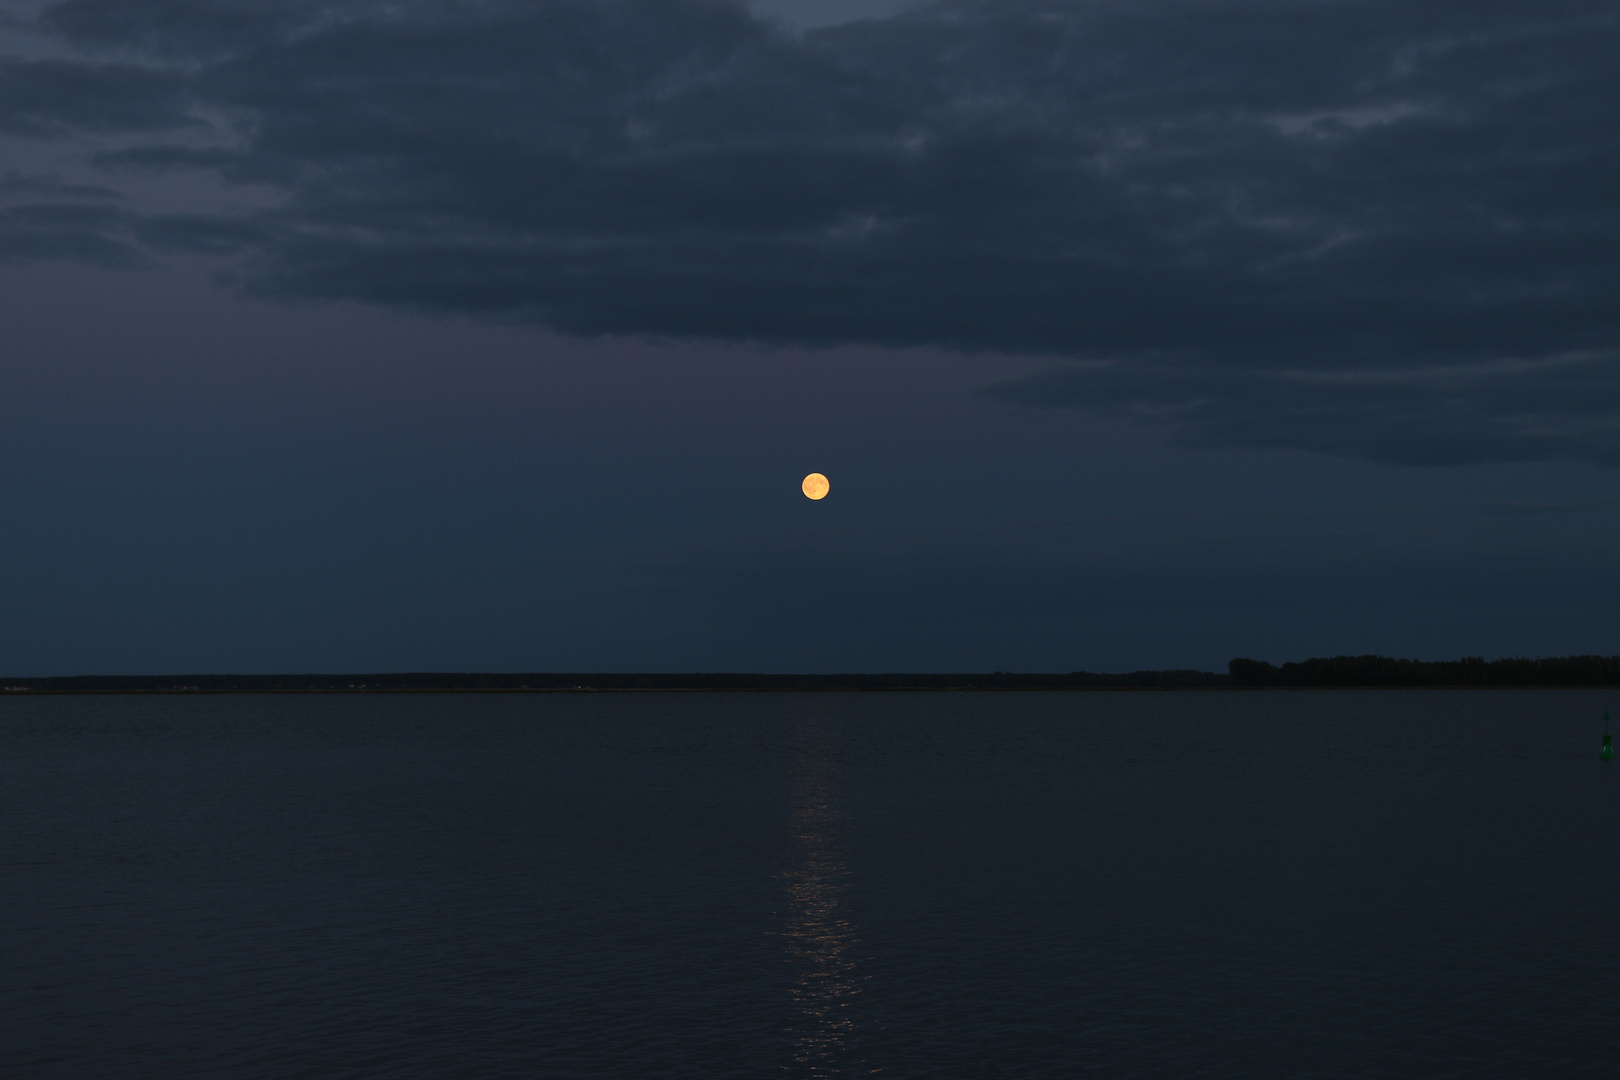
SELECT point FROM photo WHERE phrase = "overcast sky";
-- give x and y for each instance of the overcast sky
(498, 334)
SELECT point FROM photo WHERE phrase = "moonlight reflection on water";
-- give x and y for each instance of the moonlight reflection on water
(819, 936)
(744, 886)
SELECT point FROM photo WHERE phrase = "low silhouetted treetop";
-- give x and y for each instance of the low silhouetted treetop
(1468, 671)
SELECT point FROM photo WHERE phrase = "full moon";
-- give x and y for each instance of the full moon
(815, 486)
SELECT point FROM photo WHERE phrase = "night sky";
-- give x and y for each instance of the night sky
(390, 335)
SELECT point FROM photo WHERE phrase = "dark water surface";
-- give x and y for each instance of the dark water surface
(1179, 885)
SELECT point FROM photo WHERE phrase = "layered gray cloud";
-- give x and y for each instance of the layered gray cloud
(1378, 228)
(1450, 411)
(55, 230)
(61, 97)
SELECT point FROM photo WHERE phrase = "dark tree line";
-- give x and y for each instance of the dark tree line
(1469, 671)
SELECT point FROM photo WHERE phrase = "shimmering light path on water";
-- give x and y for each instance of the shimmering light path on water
(1177, 885)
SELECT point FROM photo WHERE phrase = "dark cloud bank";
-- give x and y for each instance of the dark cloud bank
(1376, 228)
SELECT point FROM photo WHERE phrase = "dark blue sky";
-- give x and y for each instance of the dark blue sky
(498, 335)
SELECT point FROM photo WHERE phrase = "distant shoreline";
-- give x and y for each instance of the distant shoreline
(605, 682)
(195, 692)
(1330, 673)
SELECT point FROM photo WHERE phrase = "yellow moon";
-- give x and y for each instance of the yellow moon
(815, 486)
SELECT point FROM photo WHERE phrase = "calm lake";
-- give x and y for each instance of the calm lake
(972, 885)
